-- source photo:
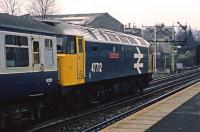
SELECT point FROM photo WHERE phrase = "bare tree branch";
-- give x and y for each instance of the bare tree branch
(41, 8)
(11, 6)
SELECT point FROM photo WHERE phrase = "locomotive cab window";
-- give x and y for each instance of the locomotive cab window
(71, 45)
(59, 49)
(80, 45)
(16, 51)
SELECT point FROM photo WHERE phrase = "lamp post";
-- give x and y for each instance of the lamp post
(155, 50)
(172, 60)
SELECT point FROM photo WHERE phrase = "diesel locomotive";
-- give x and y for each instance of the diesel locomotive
(100, 61)
(51, 59)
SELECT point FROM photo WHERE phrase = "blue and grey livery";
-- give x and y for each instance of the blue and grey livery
(28, 63)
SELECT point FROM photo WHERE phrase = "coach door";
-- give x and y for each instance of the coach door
(37, 66)
(80, 58)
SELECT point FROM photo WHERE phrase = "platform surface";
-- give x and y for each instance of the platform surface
(177, 113)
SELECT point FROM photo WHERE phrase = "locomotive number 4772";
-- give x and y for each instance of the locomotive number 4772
(96, 67)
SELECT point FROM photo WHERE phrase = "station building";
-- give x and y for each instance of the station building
(97, 20)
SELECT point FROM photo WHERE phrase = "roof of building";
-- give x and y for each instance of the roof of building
(81, 19)
(22, 24)
(99, 34)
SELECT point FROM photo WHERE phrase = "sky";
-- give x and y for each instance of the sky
(138, 12)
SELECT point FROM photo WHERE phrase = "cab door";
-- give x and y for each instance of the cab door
(80, 59)
(71, 64)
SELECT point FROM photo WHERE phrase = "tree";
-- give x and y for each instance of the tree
(187, 37)
(190, 37)
(11, 6)
(196, 34)
(41, 8)
(181, 36)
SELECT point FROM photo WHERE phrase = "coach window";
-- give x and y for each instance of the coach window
(48, 52)
(16, 51)
(71, 45)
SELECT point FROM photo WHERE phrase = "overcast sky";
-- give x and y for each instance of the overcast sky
(147, 12)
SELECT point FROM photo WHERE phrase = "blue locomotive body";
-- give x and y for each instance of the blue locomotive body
(109, 61)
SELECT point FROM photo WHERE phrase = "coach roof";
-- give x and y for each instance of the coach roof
(22, 24)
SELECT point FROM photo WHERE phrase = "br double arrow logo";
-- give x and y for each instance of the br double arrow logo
(138, 56)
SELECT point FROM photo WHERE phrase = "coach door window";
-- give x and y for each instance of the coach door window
(48, 52)
(16, 51)
(36, 52)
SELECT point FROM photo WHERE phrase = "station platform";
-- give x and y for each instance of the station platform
(177, 113)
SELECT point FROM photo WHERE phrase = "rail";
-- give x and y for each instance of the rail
(162, 89)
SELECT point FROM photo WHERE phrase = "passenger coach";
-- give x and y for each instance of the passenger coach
(28, 62)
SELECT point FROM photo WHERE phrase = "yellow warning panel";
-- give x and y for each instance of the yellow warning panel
(68, 71)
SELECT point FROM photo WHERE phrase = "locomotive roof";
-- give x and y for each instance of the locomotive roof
(22, 24)
(99, 34)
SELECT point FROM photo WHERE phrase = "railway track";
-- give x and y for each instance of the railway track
(169, 77)
(100, 117)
